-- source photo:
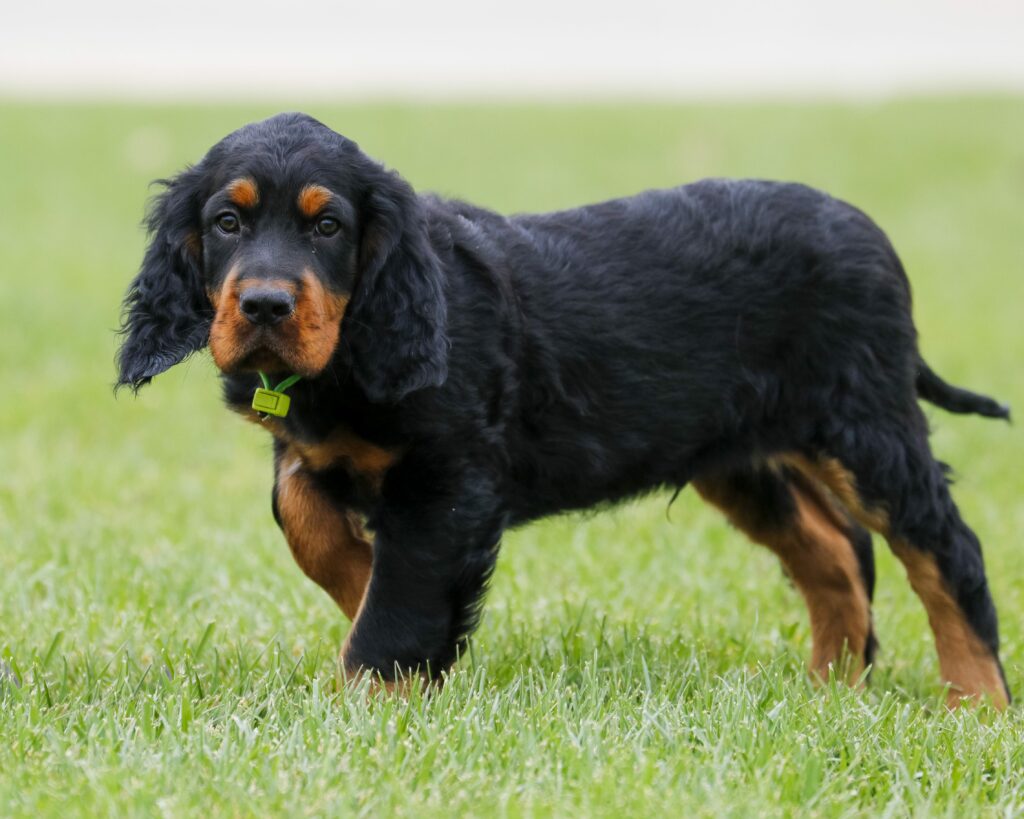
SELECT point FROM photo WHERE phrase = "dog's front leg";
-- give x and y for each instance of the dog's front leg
(432, 559)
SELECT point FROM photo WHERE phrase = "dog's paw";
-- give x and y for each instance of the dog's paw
(401, 683)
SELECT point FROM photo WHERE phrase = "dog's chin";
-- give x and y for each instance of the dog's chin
(250, 350)
(262, 359)
(267, 359)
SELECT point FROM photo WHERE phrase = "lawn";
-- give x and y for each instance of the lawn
(162, 654)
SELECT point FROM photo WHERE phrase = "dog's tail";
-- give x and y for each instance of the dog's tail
(956, 399)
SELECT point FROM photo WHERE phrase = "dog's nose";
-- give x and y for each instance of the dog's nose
(266, 306)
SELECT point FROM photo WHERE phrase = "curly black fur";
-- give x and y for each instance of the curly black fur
(166, 312)
(532, 364)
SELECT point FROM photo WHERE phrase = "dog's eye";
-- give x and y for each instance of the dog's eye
(228, 223)
(328, 226)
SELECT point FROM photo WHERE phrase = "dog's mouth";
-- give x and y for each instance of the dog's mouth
(265, 359)
(248, 350)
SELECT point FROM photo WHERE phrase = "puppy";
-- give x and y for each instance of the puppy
(433, 373)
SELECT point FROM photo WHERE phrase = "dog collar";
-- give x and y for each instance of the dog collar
(267, 401)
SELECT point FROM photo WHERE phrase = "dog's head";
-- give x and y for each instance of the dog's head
(288, 250)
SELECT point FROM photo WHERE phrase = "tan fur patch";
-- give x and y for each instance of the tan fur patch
(313, 199)
(966, 663)
(343, 448)
(244, 192)
(819, 558)
(841, 482)
(229, 325)
(329, 545)
(823, 565)
(317, 323)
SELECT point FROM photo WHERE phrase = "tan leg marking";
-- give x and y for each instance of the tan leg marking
(843, 486)
(965, 662)
(820, 559)
(329, 546)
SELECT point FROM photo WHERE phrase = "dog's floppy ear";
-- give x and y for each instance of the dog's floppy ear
(166, 314)
(396, 326)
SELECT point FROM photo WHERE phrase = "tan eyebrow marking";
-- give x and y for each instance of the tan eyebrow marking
(243, 192)
(312, 199)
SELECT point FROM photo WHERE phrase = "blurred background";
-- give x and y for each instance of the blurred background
(535, 48)
(128, 526)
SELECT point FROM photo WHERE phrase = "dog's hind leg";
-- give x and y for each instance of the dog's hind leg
(886, 476)
(828, 557)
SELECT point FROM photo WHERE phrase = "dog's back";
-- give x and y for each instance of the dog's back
(666, 330)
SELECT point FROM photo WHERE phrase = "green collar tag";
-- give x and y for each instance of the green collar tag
(267, 401)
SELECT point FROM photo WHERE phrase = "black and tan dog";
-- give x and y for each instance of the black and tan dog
(464, 372)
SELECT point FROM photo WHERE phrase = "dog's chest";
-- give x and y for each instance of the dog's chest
(342, 449)
(365, 462)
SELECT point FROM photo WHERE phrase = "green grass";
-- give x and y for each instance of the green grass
(161, 654)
